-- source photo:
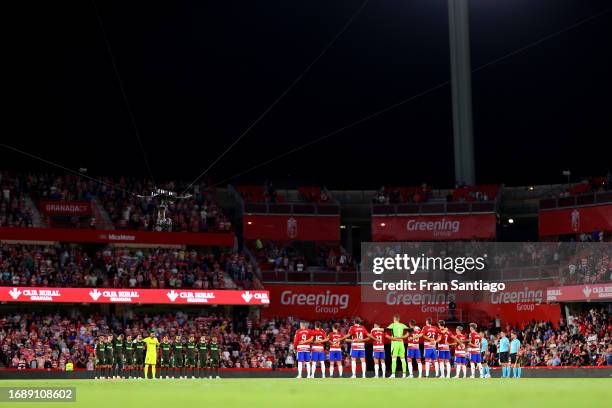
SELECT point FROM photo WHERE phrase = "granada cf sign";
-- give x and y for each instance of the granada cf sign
(433, 227)
(292, 227)
(575, 220)
(66, 208)
(132, 295)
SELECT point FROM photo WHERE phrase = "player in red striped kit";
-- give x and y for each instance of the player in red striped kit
(414, 352)
(474, 349)
(460, 352)
(357, 334)
(444, 338)
(335, 349)
(318, 351)
(377, 334)
(301, 343)
(430, 334)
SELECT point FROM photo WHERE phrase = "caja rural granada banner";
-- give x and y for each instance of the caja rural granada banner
(575, 220)
(433, 227)
(292, 227)
(131, 295)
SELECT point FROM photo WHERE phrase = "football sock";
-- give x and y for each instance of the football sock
(313, 368)
(403, 360)
(427, 364)
(441, 369)
(354, 367)
(363, 368)
(480, 370)
(410, 368)
(146, 368)
(514, 372)
(322, 369)
(519, 372)
(473, 369)
(420, 366)
(299, 368)
(448, 368)
(384, 369)
(464, 368)
(307, 369)
(331, 369)
(393, 365)
(375, 369)
(340, 369)
(153, 369)
(437, 368)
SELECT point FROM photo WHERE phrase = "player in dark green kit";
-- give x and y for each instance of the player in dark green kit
(177, 350)
(213, 357)
(119, 358)
(100, 357)
(166, 357)
(202, 356)
(139, 348)
(190, 356)
(128, 357)
(109, 351)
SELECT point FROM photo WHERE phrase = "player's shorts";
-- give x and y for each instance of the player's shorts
(443, 354)
(303, 356)
(202, 361)
(460, 360)
(431, 354)
(178, 362)
(317, 356)
(139, 359)
(335, 355)
(503, 357)
(475, 358)
(109, 361)
(189, 361)
(129, 359)
(380, 355)
(414, 353)
(397, 349)
(513, 358)
(150, 359)
(357, 353)
(165, 362)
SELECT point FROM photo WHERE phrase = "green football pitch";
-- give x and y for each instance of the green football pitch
(272, 393)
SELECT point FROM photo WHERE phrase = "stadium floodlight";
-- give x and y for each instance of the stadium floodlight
(510, 220)
(343, 227)
(382, 224)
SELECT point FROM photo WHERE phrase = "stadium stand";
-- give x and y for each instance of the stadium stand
(74, 266)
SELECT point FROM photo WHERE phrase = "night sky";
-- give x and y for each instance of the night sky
(198, 73)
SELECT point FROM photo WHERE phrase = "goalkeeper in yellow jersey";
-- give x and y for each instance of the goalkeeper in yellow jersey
(152, 344)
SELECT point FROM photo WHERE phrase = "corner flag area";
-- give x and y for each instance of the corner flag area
(332, 392)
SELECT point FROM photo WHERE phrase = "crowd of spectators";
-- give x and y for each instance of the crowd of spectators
(401, 195)
(281, 257)
(73, 266)
(120, 198)
(13, 209)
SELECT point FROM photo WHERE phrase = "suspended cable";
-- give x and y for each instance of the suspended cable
(281, 96)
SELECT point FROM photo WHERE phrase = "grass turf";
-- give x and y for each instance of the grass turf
(271, 393)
